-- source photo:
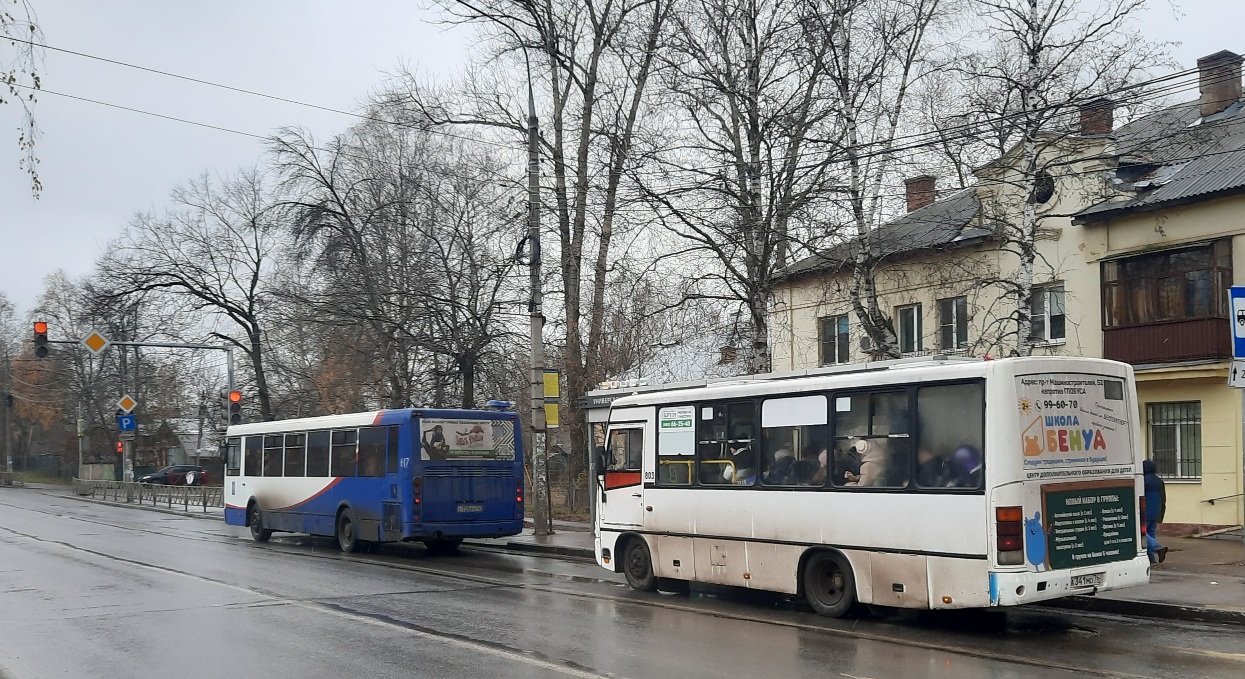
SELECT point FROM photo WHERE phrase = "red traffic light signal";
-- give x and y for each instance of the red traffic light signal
(41, 339)
(235, 407)
(120, 447)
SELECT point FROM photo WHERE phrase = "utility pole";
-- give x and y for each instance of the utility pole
(540, 468)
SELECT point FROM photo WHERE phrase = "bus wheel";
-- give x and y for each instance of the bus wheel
(256, 522)
(829, 584)
(346, 538)
(638, 566)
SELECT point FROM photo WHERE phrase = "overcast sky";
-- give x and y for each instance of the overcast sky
(100, 165)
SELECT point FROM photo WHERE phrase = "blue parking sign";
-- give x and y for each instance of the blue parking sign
(126, 422)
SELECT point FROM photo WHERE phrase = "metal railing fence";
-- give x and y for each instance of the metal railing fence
(187, 497)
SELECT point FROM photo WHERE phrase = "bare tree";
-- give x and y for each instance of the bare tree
(19, 58)
(1048, 59)
(591, 62)
(214, 249)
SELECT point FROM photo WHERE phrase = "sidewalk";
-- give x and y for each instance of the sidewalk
(1202, 579)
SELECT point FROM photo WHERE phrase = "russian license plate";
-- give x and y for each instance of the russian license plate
(470, 508)
(1088, 580)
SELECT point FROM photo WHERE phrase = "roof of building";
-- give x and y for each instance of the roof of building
(944, 224)
(1174, 156)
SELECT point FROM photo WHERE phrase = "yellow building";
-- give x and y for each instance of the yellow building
(1139, 235)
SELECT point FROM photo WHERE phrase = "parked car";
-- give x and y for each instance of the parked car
(180, 475)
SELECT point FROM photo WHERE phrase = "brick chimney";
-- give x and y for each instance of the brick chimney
(1097, 117)
(920, 191)
(1219, 81)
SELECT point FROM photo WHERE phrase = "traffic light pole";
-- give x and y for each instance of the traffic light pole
(41, 341)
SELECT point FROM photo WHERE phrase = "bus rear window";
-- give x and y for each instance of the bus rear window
(950, 431)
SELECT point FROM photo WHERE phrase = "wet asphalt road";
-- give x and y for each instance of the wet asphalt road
(90, 590)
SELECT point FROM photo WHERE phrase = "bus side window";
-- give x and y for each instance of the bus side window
(726, 447)
(950, 426)
(391, 464)
(872, 447)
(233, 457)
(295, 454)
(254, 460)
(344, 452)
(318, 453)
(626, 448)
(372, 451)
(274, 464)
(676, 445)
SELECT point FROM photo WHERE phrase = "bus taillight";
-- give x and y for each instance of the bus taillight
(1141, 513)
(1009, 535)
(518, 495)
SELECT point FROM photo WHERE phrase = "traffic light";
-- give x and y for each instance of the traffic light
(41, 339)
(235, 407)
(120, 447)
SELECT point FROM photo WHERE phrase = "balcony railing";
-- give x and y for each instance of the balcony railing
(1169, 341)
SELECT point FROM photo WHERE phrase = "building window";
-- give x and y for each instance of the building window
(1176, 438)
(909, 320)
(953, 323)
(1171, 285)
(1048, 317)
(834, 347)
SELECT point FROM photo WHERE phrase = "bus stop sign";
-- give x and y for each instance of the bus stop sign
(1236, 318)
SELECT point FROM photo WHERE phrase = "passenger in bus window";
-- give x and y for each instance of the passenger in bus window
(874, 461)
(846, 462)
(931, 469)
(965, 468)
(742, 469)
(782, 470)
(810, 470)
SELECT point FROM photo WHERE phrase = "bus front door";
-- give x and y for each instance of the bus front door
(622, 489)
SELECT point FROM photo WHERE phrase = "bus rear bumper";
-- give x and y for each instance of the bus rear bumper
(1013, 589)
(450, 529)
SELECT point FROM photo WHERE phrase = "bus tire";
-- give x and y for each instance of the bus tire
(638, 566)
(347, 539)
(255, 520)
(829, 585)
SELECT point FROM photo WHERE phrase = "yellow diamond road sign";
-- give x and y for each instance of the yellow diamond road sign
(95, 342)
(127, 403)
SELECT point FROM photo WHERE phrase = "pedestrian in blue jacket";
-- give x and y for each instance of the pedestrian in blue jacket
(1156, 507)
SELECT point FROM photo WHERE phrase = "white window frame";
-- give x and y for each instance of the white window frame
(845, 349)
(1044, 311)
(911, 326)
(958, 343)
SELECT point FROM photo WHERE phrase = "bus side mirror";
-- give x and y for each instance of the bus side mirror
(602, 459)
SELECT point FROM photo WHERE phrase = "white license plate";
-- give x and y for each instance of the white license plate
(470, 508)
(1087, 580)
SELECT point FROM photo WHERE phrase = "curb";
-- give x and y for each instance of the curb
(553, 550)
(1148, 609)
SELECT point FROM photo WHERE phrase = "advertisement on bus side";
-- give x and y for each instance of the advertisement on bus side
(445, 439)
(1073, 425)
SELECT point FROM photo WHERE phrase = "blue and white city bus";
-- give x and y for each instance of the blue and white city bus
(431, 475)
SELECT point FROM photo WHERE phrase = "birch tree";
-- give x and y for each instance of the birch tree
(1047, 58)
(19, 60)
